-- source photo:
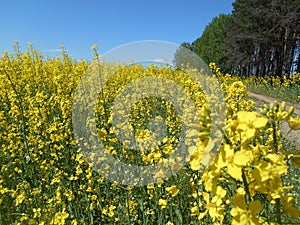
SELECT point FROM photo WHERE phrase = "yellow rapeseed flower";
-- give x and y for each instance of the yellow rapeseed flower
(294, 123)
(173, 190)
(249, 123)
(60, 218)
(20, 198)
(36, 212)
(162, 203)
(109, 210)
(220, 194)
(245, 214)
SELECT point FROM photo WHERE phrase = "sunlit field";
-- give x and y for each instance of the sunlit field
(252, 178)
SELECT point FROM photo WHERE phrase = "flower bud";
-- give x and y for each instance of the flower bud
(283, 105)
(291, 110)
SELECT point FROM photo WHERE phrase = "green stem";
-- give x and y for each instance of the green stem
(278, 211)
(246, 185)
(277, 204)
(274, 137)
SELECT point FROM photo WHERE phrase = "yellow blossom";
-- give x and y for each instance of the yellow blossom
(163, 203)
(20, 198)
(245, 214)
(234, 160)
(169, 223)
(220, 194)
(60, 218)
(36, 213)
(173, 190)
(109, 210)
(194, 211)
(294, 123)
(249, 123)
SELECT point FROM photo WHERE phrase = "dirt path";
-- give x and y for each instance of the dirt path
(293, 136)
(262, 99)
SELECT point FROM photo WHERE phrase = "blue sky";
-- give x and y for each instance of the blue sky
(108, 23)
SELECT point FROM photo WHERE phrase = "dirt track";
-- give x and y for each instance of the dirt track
(293, 136)
(261, 99)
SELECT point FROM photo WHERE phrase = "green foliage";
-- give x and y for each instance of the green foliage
(210, 46)
(264, 37)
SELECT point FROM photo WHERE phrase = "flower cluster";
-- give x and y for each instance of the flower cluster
(45, 177)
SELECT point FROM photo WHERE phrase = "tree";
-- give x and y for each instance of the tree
(262, 37)
(210, 46)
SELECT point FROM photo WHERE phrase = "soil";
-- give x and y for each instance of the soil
(294, 135)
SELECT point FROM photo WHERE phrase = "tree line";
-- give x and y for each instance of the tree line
(259, 37)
